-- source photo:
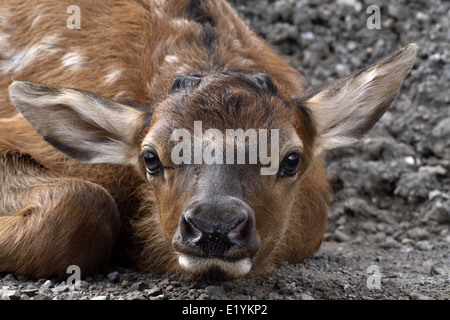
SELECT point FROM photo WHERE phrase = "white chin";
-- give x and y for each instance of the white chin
(194, 264)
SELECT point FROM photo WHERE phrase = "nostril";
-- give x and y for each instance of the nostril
(189, 231)
(237, 232)
(195, 233)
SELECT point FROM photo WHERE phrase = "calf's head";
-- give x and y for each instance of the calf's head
(223, 153)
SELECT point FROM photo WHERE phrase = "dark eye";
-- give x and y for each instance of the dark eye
(152, 163)
(289, 166)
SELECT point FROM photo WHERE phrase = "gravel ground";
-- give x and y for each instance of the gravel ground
(388, 235)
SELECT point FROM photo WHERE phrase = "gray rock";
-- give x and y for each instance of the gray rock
(274, 296)
(442, 129)
(41, 296)
(287, 288)
(60, 289)
(9, 277)
(204, 296)
(432, 170)
(437, 271)
(46, 285)
(390, 242)
(282, 32)
(423, 17)
(398, 11)
(447, 239)
(74, 295)
(163, 283)
(359, 206)
(305, 296)
(83, 284)
(301, 19)
(281, 10)
(113, 276)
(242, 297)
(418, 234)
(415, 186)
(424, 245)
(342, 70)
(30, 291)
(24, 297)
(419, 296)
(135, 295)
(139, 286)
(156, 290)
(214, 291)
(436, 193)
(440, 212)
(341, 236)
(10, 294)
(370, 227)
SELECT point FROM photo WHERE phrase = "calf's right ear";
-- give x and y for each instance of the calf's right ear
(344, 110)
(85, 126)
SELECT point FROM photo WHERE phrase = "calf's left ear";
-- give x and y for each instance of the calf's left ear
(344, 110)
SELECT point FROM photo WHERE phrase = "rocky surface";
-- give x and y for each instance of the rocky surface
(389, 223)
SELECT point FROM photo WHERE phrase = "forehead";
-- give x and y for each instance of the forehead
(224, 102)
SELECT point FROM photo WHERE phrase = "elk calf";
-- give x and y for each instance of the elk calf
(98, 151)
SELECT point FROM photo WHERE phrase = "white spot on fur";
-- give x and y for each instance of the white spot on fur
(17, 60)
(112, 76)
(73, 60)
(183, 69)
(35, 21)
(160, 3)
(120, 95)
(179, 23)
(231, 28)
(159, 13)
(171, 59)
(370, 75)
(237, 44)
(246, 62)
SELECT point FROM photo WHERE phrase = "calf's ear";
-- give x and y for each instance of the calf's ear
(85, 126)
(345, 109)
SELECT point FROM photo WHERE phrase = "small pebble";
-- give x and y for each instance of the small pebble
(214, 291)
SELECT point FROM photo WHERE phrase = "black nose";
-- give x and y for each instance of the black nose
(222, 227)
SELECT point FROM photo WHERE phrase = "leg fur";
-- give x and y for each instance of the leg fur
(48, 223)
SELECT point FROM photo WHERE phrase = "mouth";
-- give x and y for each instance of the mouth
(214, 268)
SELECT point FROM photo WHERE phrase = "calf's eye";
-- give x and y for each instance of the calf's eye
(290, 164)
(152, 163)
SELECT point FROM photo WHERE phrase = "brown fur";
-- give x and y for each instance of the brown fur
(131, 52)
